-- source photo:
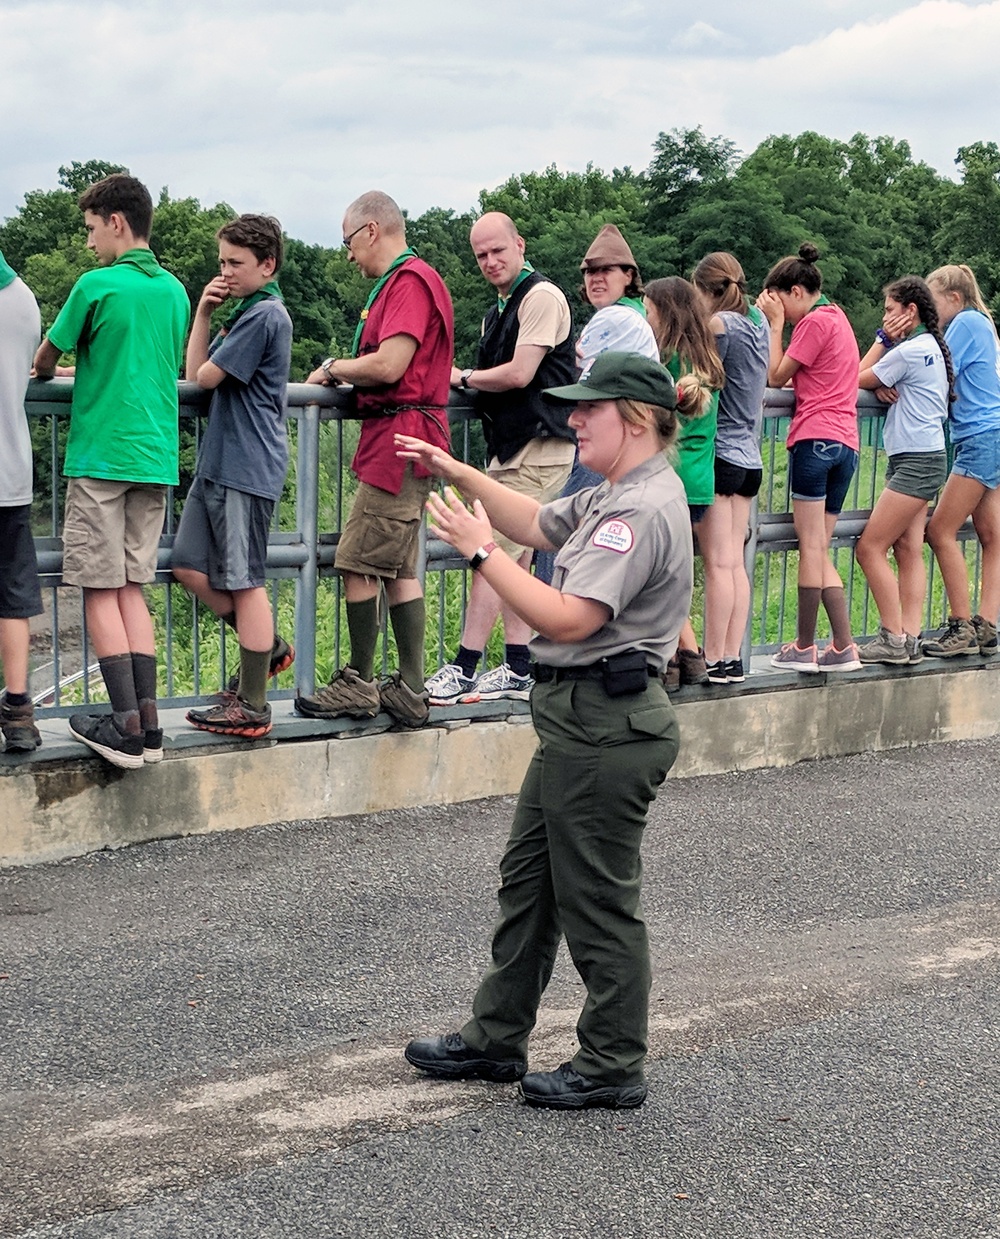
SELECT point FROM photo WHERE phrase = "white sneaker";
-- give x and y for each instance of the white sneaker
(447, 686)
(501, 682)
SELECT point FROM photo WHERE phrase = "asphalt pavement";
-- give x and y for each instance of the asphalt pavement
(202, 1037)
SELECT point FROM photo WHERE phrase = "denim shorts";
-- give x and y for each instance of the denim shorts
(822, 469)
(978, 457)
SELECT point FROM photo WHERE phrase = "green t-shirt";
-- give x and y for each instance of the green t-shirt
(696, 447)
(126, 323)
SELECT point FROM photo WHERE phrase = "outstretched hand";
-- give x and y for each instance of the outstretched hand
(454, 523)
(434, 459)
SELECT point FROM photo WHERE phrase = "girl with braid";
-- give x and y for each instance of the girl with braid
(909, 367)
(973, 488)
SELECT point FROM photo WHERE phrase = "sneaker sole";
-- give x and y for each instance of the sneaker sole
(802, 668)
(884, 662)
(477, 1069)
(151, 756)
(124, 761)
(220, 729)
(598, 1099)
(971, 653)
(854, 665)
(306, 712)
(506, 694)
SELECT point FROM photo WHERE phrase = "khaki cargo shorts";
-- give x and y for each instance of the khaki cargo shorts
(382, 534)
(111, 532)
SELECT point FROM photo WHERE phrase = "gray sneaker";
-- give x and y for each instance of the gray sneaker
(406, 707)
(960, 638)
(914, 649)
(886, 648)
(500, 683)
(448, 685)
(346, 696)
(986, 635)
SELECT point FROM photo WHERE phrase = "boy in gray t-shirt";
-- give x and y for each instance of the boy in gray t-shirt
(221, 545)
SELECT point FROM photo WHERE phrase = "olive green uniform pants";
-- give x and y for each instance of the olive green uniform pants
(572, 867)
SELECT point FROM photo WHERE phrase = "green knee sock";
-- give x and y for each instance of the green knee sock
(408, 620)
(254, 666)
(362, 625)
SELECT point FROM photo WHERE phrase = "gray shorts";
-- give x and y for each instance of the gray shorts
(918, 474)
(111, 532)
(223, 534)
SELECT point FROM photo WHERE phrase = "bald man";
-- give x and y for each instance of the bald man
(526, 346)
(400, 367)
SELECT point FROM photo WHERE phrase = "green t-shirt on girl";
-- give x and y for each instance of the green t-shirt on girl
(126, 322)
(696, 446)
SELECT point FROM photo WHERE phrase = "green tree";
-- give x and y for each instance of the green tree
(76, 176)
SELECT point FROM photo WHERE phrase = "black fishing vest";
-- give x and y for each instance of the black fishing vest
(513, 418)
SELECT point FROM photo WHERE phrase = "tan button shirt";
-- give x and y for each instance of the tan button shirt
(628, 546)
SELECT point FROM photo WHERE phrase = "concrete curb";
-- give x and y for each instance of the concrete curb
(65, 801)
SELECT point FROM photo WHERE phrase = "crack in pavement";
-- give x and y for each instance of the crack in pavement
(97, 1148)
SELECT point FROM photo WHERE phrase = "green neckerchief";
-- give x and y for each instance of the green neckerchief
(633, 303)
(142, 258)
(919, 330)
(379, 285)
(523, 274)
(822, 299)
(7, 273)
(755, 316)
(270, 289)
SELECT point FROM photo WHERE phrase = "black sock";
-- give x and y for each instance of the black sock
(17, 699)
(119, 680)
(516, 657)
(144, 677)
(468, 661)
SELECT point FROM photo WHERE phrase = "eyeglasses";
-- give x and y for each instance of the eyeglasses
(350, 238)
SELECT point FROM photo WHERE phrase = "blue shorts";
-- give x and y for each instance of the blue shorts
(822, 469)
(978, 457)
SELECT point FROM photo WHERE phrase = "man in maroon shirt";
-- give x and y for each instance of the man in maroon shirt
(400, 368)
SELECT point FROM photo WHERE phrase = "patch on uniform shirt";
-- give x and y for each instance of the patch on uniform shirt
(614, 536)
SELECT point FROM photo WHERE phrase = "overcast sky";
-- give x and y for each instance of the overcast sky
(296, 108)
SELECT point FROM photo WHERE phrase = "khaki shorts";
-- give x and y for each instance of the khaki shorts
(111, 532)
(540, 481)
(382, 534)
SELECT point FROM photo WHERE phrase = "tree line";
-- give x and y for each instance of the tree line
(873, 211)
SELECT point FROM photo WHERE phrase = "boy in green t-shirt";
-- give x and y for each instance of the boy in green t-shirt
(126, 321)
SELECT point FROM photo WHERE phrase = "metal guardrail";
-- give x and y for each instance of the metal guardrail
(310, 515)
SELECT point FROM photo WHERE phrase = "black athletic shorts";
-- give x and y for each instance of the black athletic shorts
(735, 480)
(20, 596)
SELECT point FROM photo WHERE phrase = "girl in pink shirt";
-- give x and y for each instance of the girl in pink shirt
(821, 363)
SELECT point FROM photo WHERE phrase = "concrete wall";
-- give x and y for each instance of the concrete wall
(61, 804)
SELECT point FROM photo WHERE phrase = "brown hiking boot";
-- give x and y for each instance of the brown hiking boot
(20, 734)
(346, 696)
(960, 638)
(406, 707)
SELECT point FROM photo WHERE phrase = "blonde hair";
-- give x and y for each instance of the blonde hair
(692, 399)
(958, 278)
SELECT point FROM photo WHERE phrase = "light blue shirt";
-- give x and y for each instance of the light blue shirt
(973, 345)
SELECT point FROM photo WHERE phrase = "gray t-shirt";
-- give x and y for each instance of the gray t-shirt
(627, 545)
(20, 332)
(915, 423)
(744, 349)
(245, 445)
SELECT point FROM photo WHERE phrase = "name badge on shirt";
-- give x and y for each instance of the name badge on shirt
(614, 536)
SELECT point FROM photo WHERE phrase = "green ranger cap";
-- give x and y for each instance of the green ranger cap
(620, 376)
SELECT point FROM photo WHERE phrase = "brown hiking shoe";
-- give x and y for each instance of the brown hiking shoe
(692, 666)
(960, 638)
(20, 735)
(406, 707)
(346, 696)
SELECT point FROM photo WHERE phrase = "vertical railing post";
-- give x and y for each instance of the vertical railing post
(307, 522)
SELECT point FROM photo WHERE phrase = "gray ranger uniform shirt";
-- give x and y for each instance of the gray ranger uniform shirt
(628, 546)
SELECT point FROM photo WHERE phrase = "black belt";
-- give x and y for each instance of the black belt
(545, 674)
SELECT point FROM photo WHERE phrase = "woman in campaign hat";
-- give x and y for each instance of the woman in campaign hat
(607, 732)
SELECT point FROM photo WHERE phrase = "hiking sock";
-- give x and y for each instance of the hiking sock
(408, 620)
(17, 699)
(144, 678)
(119, 679)
(516, 657)
(809, 597)
(254, 666)
(363, 626)
(468, 660)
(835, 605)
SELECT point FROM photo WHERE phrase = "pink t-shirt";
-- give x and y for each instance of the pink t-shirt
(826, 382)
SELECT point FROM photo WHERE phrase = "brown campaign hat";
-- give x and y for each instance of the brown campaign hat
(609, 249)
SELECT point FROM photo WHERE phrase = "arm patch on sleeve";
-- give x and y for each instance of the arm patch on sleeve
(614, 536)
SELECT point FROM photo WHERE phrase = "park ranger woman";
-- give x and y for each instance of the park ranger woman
(607, 733)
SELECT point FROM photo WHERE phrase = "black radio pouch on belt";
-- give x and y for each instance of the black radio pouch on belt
(625, 673)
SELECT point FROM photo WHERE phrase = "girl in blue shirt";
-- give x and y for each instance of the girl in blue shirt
(972, 487)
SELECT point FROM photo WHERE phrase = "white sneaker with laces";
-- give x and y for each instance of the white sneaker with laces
(447, 686)
(499, 683)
